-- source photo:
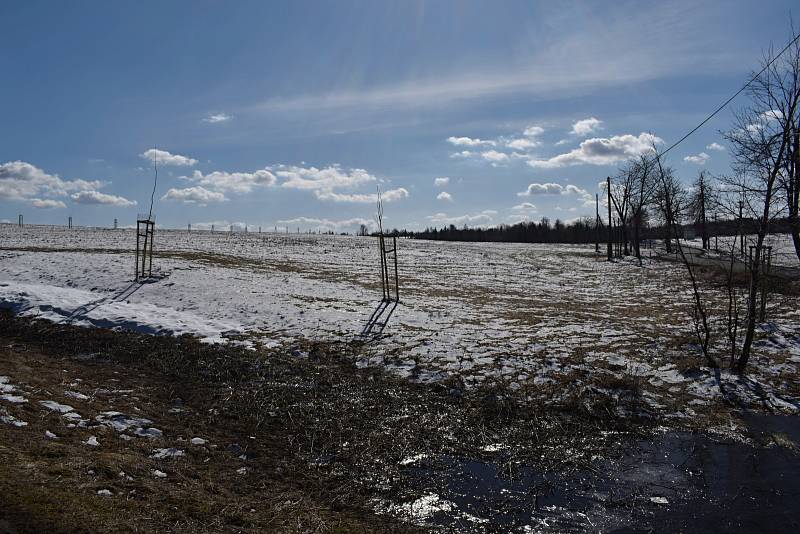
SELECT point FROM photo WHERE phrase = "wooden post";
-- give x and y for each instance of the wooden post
(610, 232)
(136, 266)
(396, 277)
(764, 275)
(597, 223)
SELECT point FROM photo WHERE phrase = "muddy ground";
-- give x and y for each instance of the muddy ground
(105, 431)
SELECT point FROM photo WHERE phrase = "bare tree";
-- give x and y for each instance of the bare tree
(761, 142)
(622, 187)
(670, 197)
(702, 202)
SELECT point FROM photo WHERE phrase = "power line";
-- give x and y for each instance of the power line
(724, 104)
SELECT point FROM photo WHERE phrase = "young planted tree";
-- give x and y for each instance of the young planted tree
(761, 143)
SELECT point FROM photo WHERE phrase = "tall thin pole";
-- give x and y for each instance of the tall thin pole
(597, 223)
(610, 234)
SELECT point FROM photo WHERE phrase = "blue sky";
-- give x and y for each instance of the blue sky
(292, 113)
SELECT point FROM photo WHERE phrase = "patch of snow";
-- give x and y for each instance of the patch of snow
(76, 395)
(659, 500)
(92, 441)
(171, 452)
(104, 492)
(54, 406)
(9, 419)
(198, 441)
(13, 399)
(50, 435)
(159, 474)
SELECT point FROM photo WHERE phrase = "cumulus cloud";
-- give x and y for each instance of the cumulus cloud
(47, 203)
(494, 156)
(165, 158)
(20, 180)
(237, 182)
(387, 196)
(469, 141)
(698, 159)
(585, 127)
(96, 197)
(601, 151)
(444, 195)
(214, 118)
(715, 146)
(328, 178)
(522, 144)
(533, 131)
(194, 195)
(463, 154)
(542, 189)
(441, 182)
(484, 216)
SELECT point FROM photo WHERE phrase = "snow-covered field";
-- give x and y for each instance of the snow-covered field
(543, 315)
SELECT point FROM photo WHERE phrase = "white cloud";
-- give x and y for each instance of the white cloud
(698, 159)
(585, 127)
(463, 154)
(444, 195)
(533, 131)
(602, 151)
(522, 144)
(96, 197)
(387, 196)
(194, 195)
(525, 206)
(20, 180)
(329, 178)
(47, 203)
(214, 118)
(494, 156)
(542, 189)
(554, 189)
(468, 141)
(441, 182)
(237, 182)
(484, 216)
(715, 146)
(165, 158)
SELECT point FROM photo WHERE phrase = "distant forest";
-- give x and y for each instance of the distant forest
(580, 231)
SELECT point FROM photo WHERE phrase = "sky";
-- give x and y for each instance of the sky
(294, 114)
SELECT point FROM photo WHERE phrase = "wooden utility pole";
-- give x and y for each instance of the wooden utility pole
(597, 223)
(610, 234)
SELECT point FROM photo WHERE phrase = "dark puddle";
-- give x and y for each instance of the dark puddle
(673, 482)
